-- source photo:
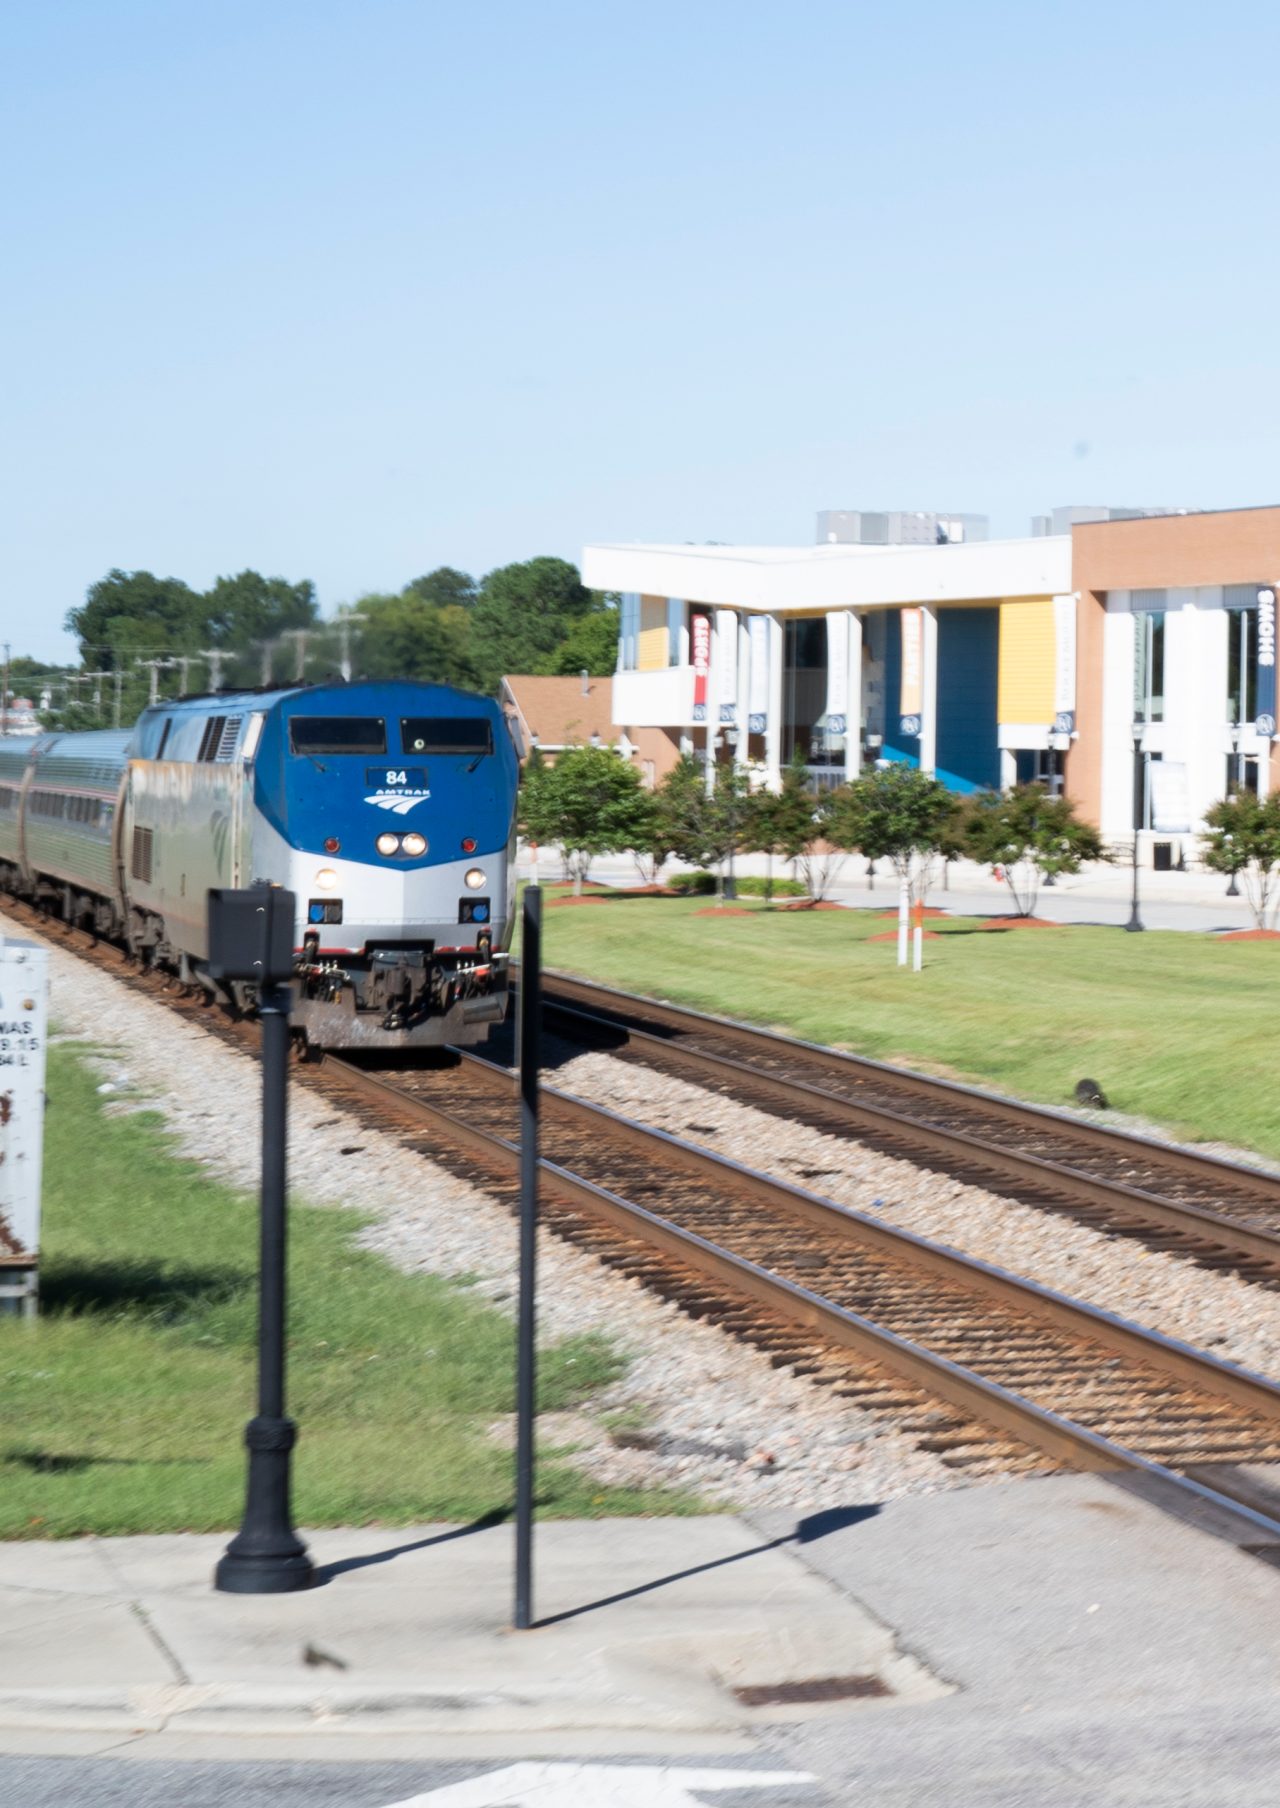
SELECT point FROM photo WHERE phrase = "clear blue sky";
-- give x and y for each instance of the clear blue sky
(350, 290)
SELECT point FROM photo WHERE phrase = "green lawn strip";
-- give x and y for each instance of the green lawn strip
(1171, 1025)
(125, 1403)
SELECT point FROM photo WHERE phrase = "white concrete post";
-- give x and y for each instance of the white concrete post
(929, 691)
(773, 734)
(853, 738)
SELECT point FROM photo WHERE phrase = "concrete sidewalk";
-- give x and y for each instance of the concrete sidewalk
(646, 1630)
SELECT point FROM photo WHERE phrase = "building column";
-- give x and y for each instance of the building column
(773, 731)
(742, 653)
(853, 733)
(929, 690)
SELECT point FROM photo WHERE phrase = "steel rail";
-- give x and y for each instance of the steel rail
(635, 1005)
(1136, 1204)
(972, 1393)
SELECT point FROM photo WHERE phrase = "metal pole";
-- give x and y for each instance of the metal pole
(115, 710)
(526, 1332)
(1135, 921)
(266, 1556)
(4, 700)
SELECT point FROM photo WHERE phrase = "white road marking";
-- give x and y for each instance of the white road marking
(597, 1786)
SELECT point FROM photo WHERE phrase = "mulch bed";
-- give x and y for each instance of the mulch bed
(1250, 935)
(808, 904)
(891, 935)
(1019, 923)
(725, 910)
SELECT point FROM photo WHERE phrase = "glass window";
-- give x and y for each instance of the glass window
(675, 629)
(628, 630)
(446, 734)
(338, 734)
(1242, 664)
(1148, 665)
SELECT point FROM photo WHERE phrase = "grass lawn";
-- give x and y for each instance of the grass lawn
(124, 1405)
(1172, 1026)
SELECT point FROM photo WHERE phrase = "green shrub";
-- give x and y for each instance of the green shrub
(693, 885)
(755, 887)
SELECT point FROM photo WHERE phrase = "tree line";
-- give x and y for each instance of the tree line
(141, 635)
(591, 802)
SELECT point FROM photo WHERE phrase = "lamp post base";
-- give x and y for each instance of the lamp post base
(266, 1556)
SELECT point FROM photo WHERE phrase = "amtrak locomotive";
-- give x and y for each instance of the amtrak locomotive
(387, 809)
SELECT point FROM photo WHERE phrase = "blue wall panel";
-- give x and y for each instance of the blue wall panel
(896, 746)
(968, 757)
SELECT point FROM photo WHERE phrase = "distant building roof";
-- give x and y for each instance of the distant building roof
(556, 712)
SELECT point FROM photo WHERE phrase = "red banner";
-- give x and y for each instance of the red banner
(700, 632)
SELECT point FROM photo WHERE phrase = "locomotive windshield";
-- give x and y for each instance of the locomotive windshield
(446, 734)
(337, 734)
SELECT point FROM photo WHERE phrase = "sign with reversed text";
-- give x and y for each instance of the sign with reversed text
(24, 1011)
(1265, 717)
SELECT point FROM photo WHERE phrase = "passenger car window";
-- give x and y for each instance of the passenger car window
(338, 734)
(446, 734)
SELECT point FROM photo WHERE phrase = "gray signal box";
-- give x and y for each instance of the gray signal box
(24, 1027)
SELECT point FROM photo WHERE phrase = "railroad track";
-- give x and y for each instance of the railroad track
(992, 1372)
(990, 1362)
(1218, 1213)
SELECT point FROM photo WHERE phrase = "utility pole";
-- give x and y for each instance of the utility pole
(115, 711)
(155, 667)
(299, 637)
(215, 657)
(267, 647)
(344, 623)
(4, 699)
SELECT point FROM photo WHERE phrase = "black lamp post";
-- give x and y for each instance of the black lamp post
(251, 936)
(1135, 921)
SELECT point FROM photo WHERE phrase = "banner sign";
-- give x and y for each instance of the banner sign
(838, 672)
(1064, 661)
(1265, 720)
(911, 697)
(700, 628)
(726, 664)
(758, 693)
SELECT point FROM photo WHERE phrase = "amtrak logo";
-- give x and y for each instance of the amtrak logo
(397, 802)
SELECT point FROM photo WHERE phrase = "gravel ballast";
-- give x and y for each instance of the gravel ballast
(1232, 1317)
(717, 1416)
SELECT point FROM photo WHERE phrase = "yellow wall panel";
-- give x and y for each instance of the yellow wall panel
(1026, 660)
(652, 647)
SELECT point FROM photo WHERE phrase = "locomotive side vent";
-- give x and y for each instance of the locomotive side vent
(140, 865)
(228, 738)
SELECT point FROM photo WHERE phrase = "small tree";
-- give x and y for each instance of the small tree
(680, 813)
(1243, 836)
(1030, 834)
(901, 814)
(533, 816)
(591, 802)
(801, 823)
(729, 820)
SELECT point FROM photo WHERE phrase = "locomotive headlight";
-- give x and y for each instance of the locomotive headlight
(326, 879)
(388, 844)
(414, 844)
(475, 878)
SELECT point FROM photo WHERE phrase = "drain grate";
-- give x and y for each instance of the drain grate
(818, 1688)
